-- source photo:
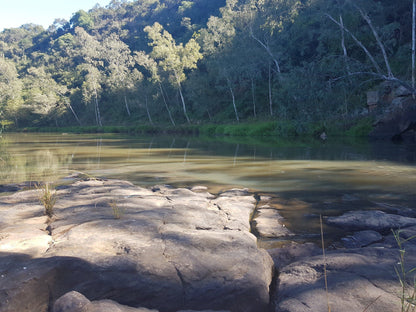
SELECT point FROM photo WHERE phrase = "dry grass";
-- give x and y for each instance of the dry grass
(47, 197)
(117, 210)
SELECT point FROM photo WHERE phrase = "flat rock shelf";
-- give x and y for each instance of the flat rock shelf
(112, 245)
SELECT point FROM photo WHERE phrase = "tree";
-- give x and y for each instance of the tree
(119, 65)
(173, 58)
(90, 50)
(150, 65)
(43, 96)
(10, 90)
(378, 71)
(81, 19)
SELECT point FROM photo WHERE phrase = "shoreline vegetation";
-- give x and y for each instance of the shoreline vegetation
(277, 129)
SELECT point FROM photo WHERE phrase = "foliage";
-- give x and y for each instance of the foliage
(135, 62)
(361, 128)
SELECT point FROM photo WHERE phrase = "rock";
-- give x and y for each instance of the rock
(71, 302)
(292, 252)
(8, 188)
(361, 239)
(269, 223)
(356, 282)
(402, 91)
(76, 302)
(398, 123)
(371, 220)
(235, 192)
(161, 248)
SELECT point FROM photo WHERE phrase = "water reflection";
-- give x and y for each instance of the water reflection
(311, 178)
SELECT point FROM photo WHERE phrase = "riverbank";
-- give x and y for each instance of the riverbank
(112, 244)
(276, 129)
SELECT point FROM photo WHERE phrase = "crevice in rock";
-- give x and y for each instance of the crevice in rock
(183, 283)
(178, 272)
(273, 290)
(253, 223)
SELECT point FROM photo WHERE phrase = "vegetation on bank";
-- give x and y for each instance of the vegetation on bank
(296, 63)
(277, 129)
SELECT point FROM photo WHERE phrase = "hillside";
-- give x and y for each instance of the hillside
(204, 61)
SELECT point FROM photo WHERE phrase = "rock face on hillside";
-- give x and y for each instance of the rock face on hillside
(162, 248)
(398, 122)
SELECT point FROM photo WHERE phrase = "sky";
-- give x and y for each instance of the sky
(14, 13)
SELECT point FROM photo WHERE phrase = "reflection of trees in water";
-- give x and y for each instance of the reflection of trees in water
(5, 159)
(42, 165)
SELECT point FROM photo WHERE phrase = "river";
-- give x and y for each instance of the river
(305, 179)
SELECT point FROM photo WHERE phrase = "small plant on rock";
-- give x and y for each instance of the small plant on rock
(408, 290)
(47, 197)
(117, 211)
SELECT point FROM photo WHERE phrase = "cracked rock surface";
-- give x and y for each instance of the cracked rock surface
(162, 248)
(359, 279)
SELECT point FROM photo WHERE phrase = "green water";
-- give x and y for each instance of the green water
(305, 179)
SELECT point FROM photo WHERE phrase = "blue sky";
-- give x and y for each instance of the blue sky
(14, 13)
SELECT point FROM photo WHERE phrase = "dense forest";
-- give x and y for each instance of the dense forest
(204, 61)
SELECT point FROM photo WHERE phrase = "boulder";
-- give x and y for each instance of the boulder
(361, 239)
(162, 248)
(76, 302)
(398, 123)
(371, 220)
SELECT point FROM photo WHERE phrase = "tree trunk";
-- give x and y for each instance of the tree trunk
(148, 113)
(344, 49)
(270, 91)
(75, 115)
(267, 48)
(166, 105)
(253, 97)
(233, 98)
(97, 108)
(127, 106)
(182, 99)
(380, 44)
(359, 43)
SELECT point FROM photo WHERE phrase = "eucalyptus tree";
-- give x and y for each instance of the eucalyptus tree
(217, 41)
(90, 51)
(173, 58)
(119, 64)
(43, 96)
(151, 66)
(10, 90)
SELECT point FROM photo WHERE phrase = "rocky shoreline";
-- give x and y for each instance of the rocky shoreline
(113, 246)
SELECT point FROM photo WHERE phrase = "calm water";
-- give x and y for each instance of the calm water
(304, 179)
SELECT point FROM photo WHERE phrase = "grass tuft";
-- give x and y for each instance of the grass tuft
(48, 198)
(117, 211)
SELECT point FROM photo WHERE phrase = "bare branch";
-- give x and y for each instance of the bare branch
(344, 49)
(378, 69)
(380, 77)
(380, 44)
(267, 48)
